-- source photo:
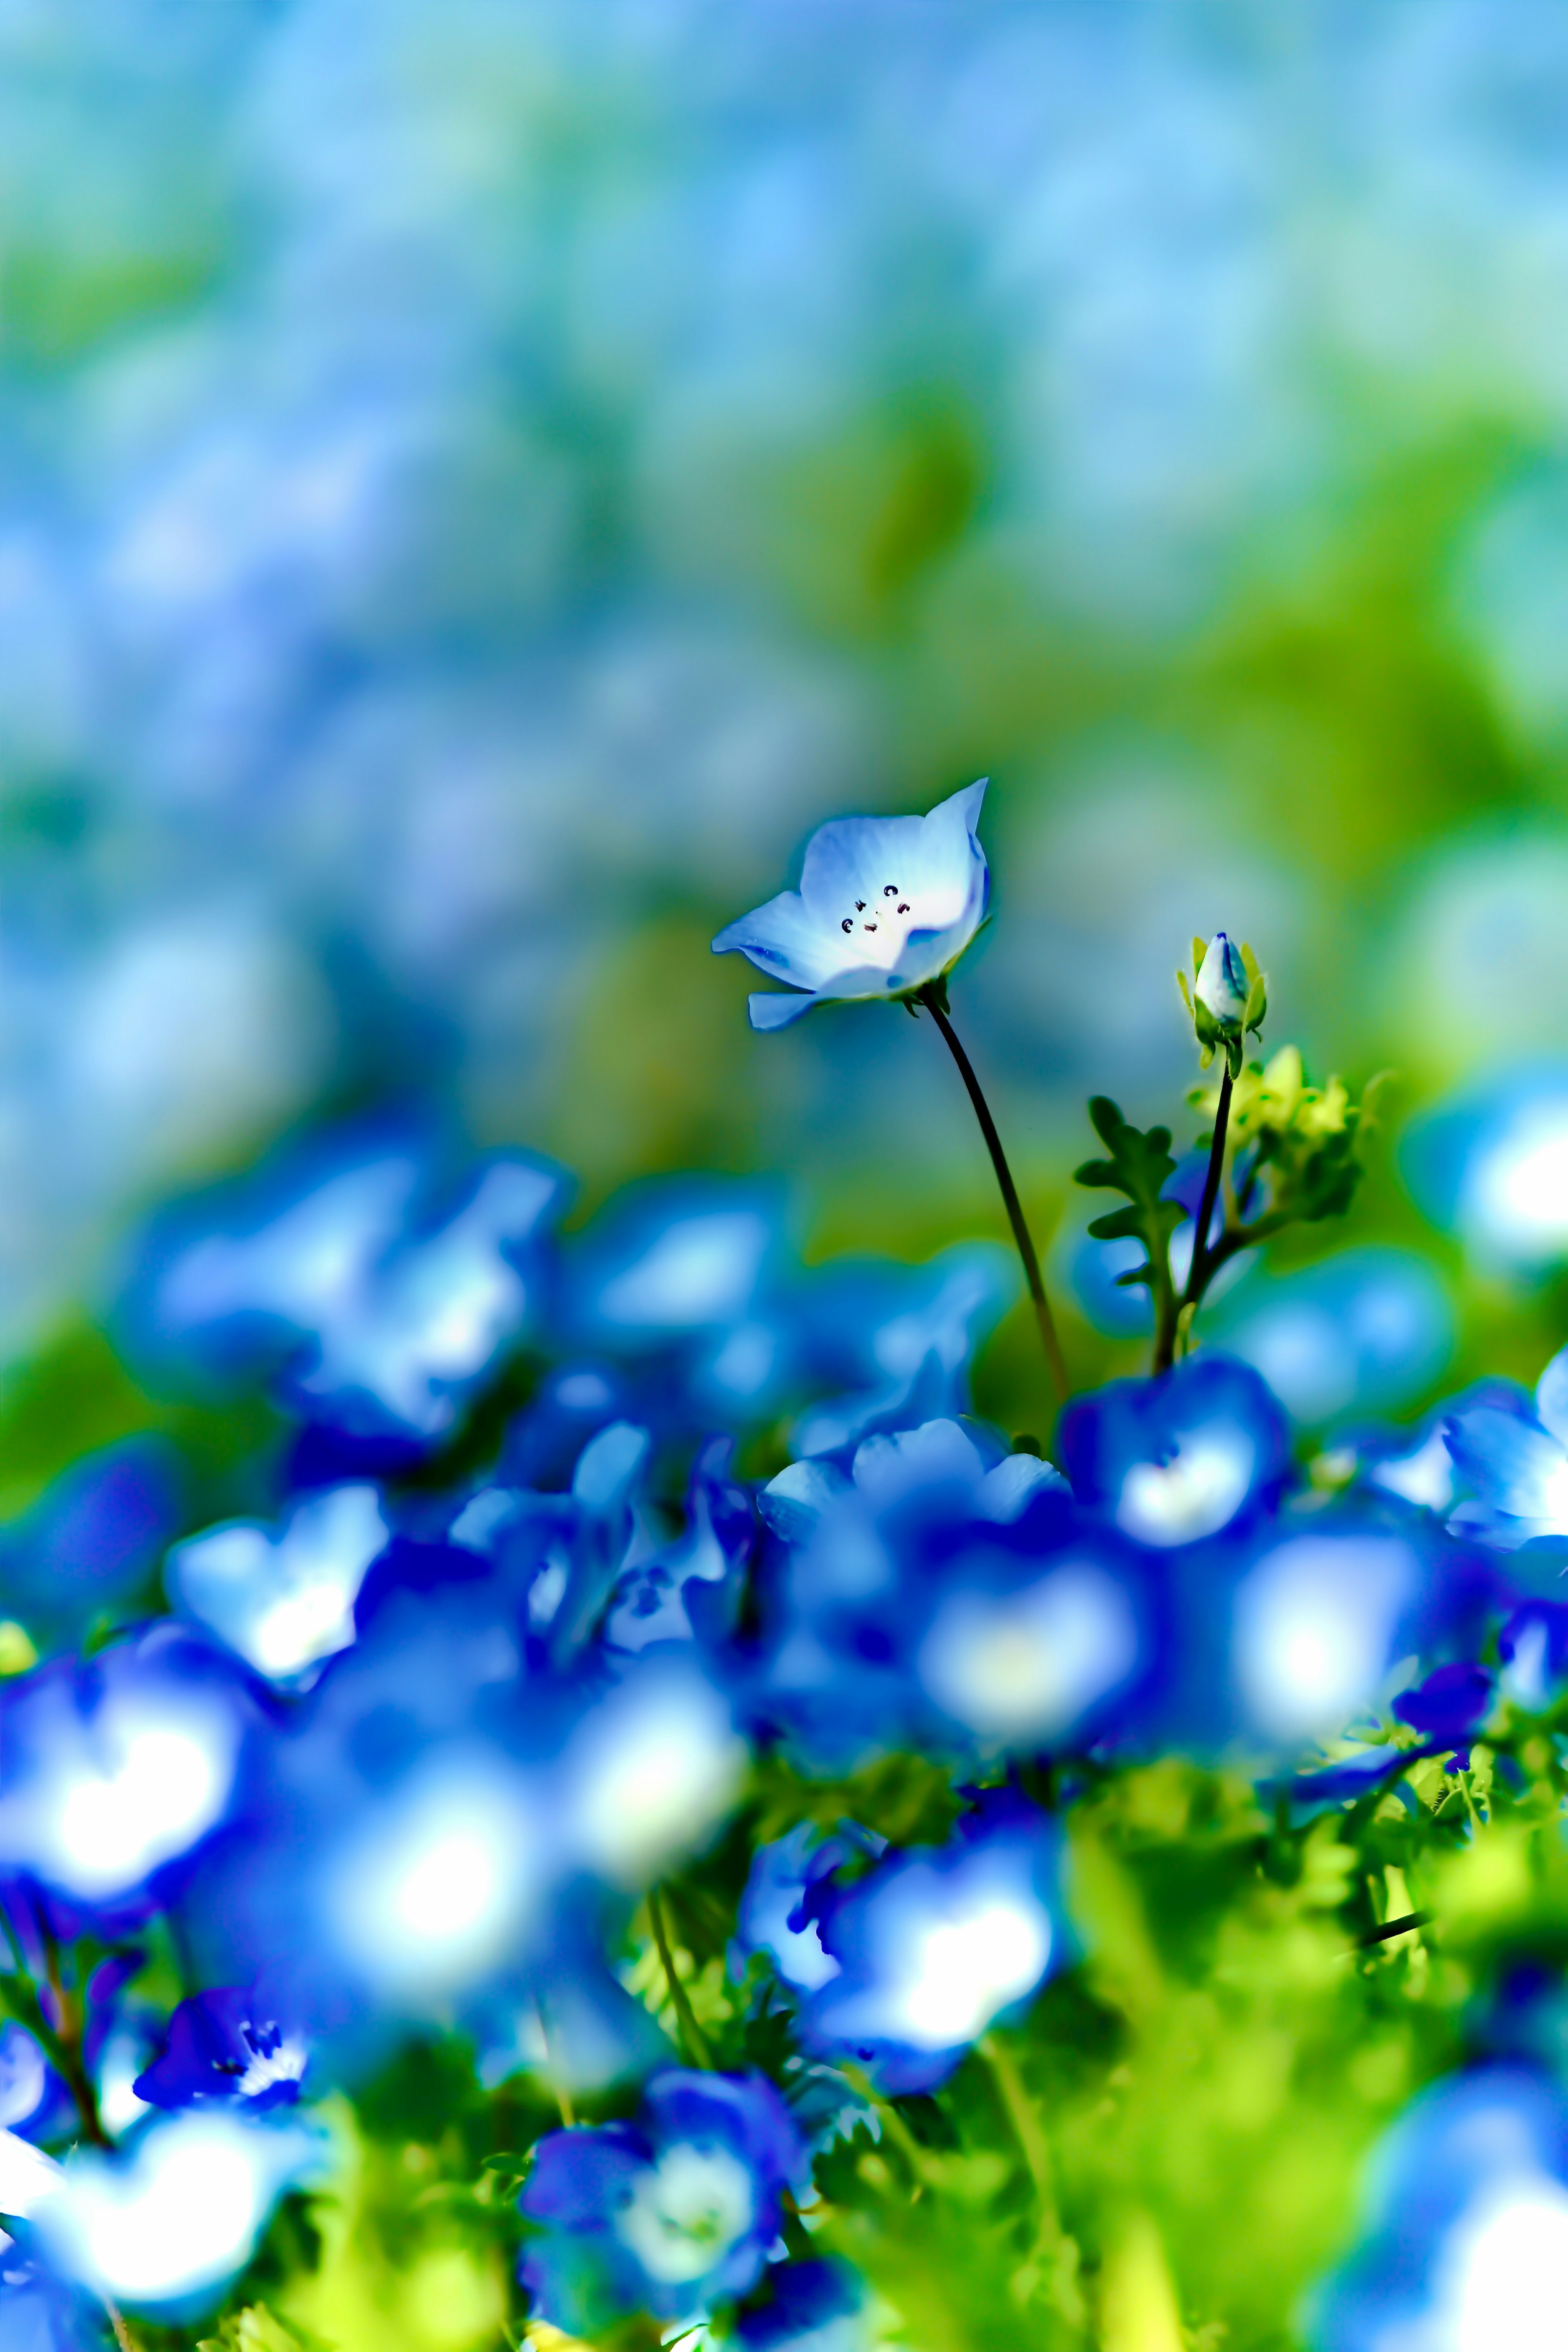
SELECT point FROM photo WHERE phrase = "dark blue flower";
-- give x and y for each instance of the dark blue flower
(776, 1915)
(1449, 1706)
(811, 2306)
(226, 2045)
(92, 1541)
(1190, 1454)
(669, 2214)
(935, 1944)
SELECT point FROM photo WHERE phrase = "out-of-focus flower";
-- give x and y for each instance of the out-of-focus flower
(886, 905)
(936, 1457)
(117, 1768)
(1515, 1466)
(225, 2045)
(380, 1305)
(1321, 1618)
(649, 1604)
(1174, 1460)
(646, 1774)
(670, 2214)
(774, 1915)
(1467, 2234)
(1367, 1330)
(934, 1944)
(1449, 1706)
(893, 1344)
(164, 2224)
(811, 2306)
(1492, 1165)
(92, 1539)
(1532, 1650)
(284, 1601)
(33, 2101)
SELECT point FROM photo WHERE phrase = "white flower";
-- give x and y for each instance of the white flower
(885, 905)
(1222, 983)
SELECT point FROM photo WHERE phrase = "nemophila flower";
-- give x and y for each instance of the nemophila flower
(652, 1602)
(283, 1602)
(811, 2306)
(1323, 1613)
(870, 1329)
(935, 1944)
(1514, 1466)
(1365, 1331)
(381, 1302)
(1194, 1451)
(165, 2223)
(1466, 2239)
(939, 1457)
(647, 1773)
(775, 1917)
(885, 906)
(1449, 1706)
(33, 2101)
(91, 1541)
(1492, 1165)
(671, 2215)
(115, 1770)
(1532, 1654)
(227, 2045)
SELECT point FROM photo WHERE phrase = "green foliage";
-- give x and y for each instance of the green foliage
(1307, 1139)
(1140, 1164)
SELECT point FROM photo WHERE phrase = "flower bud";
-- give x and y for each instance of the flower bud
(1222, 984)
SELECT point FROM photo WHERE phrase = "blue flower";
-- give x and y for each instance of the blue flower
(117, 1768)
(701, 1569)
(1492, 1164)
(34, 2100)
(775, 1917)
(669, 2215)
(380, 1301)
(938, 1457)
(1515, 1465)
(286, 1602)
(935, 1944)
(92, 1539)
(1466, 2237)
(886, 905)
(1449, 1706)
(1532, 1649)
(1365, 1330)
(811, 2306)
(225, 2045)
(1195, 1452)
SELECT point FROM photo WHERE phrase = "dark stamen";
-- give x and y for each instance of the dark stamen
(860, 905)
(889, 889)
(904, 909)
(846, 925)
(871, 927)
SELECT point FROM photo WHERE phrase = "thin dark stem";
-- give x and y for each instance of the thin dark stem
(931, 998)
(68, 2021)
(691, 2034)
(1197, 1273)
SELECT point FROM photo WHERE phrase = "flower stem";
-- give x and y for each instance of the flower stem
(1026, 2131)
(931, 998)
(693, 2037)
(1203, 1267)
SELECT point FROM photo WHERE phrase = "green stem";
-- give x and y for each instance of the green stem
(692, 2038)
(67, 2053)
(930, 997)
(1199, 1272)
(1026, 2130)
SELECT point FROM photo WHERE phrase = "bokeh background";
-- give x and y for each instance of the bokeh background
(479, 480)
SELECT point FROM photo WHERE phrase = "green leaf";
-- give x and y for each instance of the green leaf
(1140, 1165)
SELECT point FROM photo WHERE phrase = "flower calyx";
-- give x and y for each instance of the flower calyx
(1227, 1000)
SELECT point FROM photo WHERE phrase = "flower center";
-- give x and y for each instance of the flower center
(879, 926)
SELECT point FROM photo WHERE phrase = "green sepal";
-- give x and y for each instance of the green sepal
(1200, 949)
(1186, 993)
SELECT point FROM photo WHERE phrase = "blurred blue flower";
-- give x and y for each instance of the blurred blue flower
(1492, 1165)
(1466, 2236)
(1449, 1706)
(92, 1539)
(670, 2214)
(1514, 1466)
(811, 2306)
(938, 1458)
(225, 2045)
(1532, 1652)
(1174, 1460)
(935, 1944)
(702, 1569)
(33, 2101)
(163, 2223)
(379, 1302)
(1365, 1330)
(116, 1770)
(286, 1602)
(885, 905)
(773, 1917)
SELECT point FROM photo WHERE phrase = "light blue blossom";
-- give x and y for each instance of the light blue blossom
(1515, 1466)
(885, 906)
(284, 1601)
(938, 1457)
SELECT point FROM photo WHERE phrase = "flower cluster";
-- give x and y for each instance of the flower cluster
(644, 1677)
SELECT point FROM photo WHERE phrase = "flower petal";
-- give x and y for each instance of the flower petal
(775, 1010)
(785, 941)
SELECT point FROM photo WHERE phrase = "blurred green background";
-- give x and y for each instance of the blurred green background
(478, 483)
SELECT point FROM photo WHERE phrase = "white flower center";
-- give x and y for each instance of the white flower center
(686, 2211)
(878, 927)
(1193, 1493)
